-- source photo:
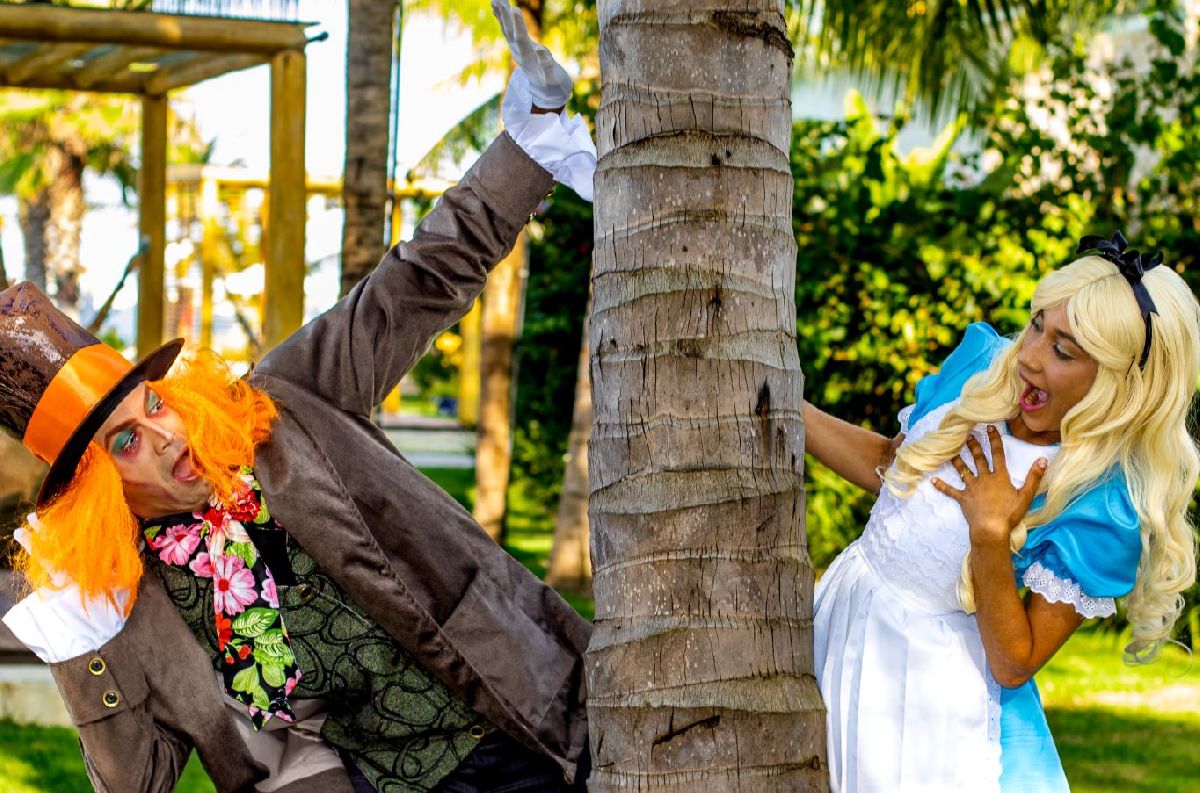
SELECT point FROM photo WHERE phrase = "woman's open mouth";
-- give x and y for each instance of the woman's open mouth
(1033, 399)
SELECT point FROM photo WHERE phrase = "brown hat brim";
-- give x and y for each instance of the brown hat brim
(152, 367)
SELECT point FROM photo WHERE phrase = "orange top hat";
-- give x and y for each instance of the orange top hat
(58, 383)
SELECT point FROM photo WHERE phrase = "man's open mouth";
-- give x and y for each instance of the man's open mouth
(184, 470)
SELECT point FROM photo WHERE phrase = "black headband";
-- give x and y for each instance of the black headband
(1133, 265)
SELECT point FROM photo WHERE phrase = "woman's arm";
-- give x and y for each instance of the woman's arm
(1018, 637)
(854, 453)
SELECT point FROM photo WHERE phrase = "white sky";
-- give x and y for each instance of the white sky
(233, 110)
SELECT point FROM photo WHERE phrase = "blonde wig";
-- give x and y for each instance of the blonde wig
(1131, 417)
(89, 532)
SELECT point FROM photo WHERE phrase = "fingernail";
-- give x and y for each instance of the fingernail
(1042, 462)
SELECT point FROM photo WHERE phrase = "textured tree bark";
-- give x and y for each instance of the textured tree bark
(370, 38)
(700, 669)
(65, 229)
(33, 216)
(570, 565)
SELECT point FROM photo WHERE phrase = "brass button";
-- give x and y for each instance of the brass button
(111, 699)
(476, 732)
(96, 666)
(306, 593)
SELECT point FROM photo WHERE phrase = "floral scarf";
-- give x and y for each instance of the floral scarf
(259, 668)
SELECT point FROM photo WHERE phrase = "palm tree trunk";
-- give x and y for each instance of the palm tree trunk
(65, 229)
(570, 565)
(502, 298)
(493, 452)
(33, 215)
(370, 40)
(700, 669)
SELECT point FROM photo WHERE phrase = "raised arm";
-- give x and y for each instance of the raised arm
(854, 453)
(355, 353)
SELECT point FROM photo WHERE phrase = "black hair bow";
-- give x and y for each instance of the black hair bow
(1133, 265)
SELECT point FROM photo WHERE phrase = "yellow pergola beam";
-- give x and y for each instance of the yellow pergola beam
(182, 50)
(236, 177)
(283, 298)
(110, 64)
(199, 69)
(46, 58)
(167, 31)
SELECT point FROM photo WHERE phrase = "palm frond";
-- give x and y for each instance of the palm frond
(472, 133)
(952, 54)
(473, 16)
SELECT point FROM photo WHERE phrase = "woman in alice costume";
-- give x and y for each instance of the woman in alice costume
(1058, 463)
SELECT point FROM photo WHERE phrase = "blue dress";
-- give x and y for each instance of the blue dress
(892, 641)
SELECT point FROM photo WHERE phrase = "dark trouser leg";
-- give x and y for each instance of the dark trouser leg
(501, 765)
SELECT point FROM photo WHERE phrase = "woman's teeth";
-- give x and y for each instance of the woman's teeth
(1034, 398)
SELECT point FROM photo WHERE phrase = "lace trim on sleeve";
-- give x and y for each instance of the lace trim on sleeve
(904, 415)
(1064, 590)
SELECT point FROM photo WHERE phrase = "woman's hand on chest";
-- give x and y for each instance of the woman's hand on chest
(991, 504)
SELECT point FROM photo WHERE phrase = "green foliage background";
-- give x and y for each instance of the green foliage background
(897, 253)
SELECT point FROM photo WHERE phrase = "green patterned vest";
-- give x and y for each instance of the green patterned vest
(402, 727)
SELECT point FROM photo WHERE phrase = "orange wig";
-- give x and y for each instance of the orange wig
(89, 532)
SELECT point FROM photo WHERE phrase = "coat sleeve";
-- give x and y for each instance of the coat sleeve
(123, 748)
(141, 702)
(355, 353)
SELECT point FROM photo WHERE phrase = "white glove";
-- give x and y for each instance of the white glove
(559, 143)
(548, 81)
(55, 623)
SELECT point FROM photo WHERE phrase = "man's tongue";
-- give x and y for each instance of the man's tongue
(1033, 398)
(184, 471)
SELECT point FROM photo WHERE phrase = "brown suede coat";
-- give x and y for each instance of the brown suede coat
(402, 548)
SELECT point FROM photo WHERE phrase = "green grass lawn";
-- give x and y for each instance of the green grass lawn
(1118, 728)
(1122, 727)
(47, 760)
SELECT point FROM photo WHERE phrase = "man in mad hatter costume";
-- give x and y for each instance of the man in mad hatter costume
(248, 569)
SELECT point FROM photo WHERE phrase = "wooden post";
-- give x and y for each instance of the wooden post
(152, 220)
(209, 210)
(397, 218)
(493, 451)
(468, 372)
(283, 301)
